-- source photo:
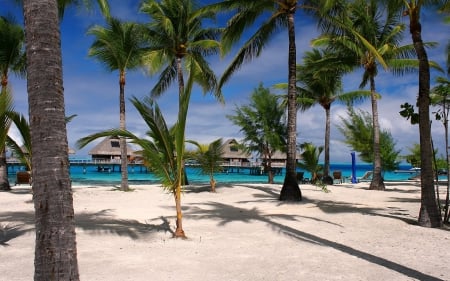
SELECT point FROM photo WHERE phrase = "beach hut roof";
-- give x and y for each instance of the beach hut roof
(109, 146)
(231, 150)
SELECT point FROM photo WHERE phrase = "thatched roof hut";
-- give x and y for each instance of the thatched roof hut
(234, 155)
(109, 149)
(279, 158)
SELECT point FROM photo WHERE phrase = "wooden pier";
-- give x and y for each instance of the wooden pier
(114, 165)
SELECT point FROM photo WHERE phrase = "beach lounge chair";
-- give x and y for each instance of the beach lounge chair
(366, 177)
(23, 177)
(337, 177)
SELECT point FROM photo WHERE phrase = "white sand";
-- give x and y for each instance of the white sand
(242, 232)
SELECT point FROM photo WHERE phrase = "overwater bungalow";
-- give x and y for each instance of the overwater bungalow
(233, 155)
(108, 150)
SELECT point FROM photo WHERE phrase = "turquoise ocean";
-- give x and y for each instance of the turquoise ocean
(90, 175)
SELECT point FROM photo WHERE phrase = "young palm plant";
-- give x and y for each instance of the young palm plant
(209, 157)
(160, 150)
(310, 160)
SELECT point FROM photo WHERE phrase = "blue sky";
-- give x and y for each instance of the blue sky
(92, 92)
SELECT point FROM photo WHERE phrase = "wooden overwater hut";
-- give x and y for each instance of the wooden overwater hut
(107, 154)
(234, 158)
(278, 161)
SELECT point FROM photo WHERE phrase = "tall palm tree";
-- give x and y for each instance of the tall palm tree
(440, 96)
(12, 52)
(118, 46)
(12, 58)
(55, 250)
(320, 82)
(103, 6)
(209, 157)
(369, 34)
(274, 15)
(160, 148)
(178, 43)
(429, 215)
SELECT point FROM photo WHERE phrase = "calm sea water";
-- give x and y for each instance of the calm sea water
(138, 175)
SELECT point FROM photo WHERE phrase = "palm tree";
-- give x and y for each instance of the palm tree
(160, 148)
(12, 53)
(310, 160)
(357, 130)
(12, 58)
(263, 124)
(23, 153)
(6, 109)
(209, 157)
(369, 34)
(440, 95)
(273, 16)
(178, 43)
(429, 215)
(103, 5)
(119, 47)
(320, 82)
(55, 250)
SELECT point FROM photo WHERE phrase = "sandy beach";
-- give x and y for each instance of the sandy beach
(242, 232)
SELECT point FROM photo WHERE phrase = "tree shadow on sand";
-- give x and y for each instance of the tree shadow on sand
(104, 222)
(99, 223)
(225, 214)
(15, 224)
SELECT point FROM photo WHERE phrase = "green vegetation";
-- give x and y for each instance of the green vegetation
(209, 158)
(357, 129)
(310, 161)
(368, 34)
(263, 124)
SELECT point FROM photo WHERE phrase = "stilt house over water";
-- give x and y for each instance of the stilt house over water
(108, 150)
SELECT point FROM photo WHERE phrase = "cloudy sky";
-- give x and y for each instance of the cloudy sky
(92, 92)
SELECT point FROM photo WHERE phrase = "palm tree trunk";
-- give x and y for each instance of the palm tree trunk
(291, 190)
(55, 249)
(447, 197)
(377, 182)
(269, 169)
(4, 182)
(429, 215)
(179, 232)
(212, 182)
(326, 166)
(123, 143)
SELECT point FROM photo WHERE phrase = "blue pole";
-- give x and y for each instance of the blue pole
(353, 168)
